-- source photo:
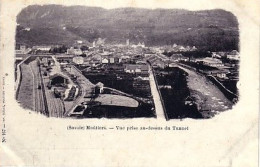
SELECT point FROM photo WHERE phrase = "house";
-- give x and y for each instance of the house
(22, 47)
(192, 59)
(100, 42)
(140, 62)
(215, 55)
(99, 88)
(184, 58)
(116, 60)
(127, 42)
(78, 60)
(149, 54)
(97, 57)
(94, 62)
(136, 68)
(159, 63)
(74, 51)
(189, 101)
(233, 55)
(42, 48)
(44, 62)
(139, 78)
(188, 48)
(174, 45)
(124, 59)
(173, 65)
(193, 48)
(139, 45)
(222, 74)
(104, 61)
(22, 50)
(176, 57)
(182, 49)
(112, 60)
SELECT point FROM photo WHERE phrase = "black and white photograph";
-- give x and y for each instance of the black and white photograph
(91, 62)
(129, 83)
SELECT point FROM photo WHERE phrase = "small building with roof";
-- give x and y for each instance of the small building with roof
(99, 88)
(189, 101)
(233, 55)
(58, 79)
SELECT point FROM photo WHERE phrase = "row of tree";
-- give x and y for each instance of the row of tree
(64, 48)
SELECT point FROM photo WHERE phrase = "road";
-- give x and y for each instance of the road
(156, 97)
(85, 86)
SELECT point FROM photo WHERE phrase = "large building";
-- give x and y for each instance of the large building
(78, 60)
(74, 51)
(42, 48)
(22, 49)
(212, 62)
(58, 79)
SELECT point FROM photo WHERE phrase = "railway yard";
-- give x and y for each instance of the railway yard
(34, 94)
(59, 91)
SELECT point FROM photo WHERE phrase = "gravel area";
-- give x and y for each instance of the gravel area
(210, 99)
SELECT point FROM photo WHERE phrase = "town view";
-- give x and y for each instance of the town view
(106, 75)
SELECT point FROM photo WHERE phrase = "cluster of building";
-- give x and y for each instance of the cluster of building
(233, 55)
(179, 48)
(21, 49)
(135, 56)
(223, 65)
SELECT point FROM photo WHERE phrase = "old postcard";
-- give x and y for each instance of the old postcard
(129, 83)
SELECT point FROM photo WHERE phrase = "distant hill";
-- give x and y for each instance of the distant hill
(55, 24)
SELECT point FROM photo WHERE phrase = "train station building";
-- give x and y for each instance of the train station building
(58, 79)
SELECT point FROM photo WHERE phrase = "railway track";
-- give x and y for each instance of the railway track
(33, 88)
(38, 93)
(55, 105)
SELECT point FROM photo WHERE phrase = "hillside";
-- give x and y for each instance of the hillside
(56, 24)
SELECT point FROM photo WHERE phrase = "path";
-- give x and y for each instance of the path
(156, 97)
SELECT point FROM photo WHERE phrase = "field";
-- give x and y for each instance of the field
(209, 98)
(116, 100)
(230, 83)
(125, 82)
(107, 111)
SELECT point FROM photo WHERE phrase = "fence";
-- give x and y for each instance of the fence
(230, 95)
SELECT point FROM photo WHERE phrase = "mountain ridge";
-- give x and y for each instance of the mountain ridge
(208, 29)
